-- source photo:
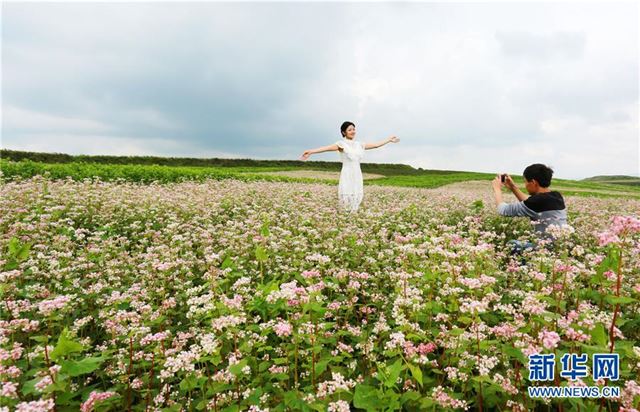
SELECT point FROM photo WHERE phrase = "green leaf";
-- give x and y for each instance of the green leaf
(65, 346)
(292, 400)
(254, 398)
(60, 385)
(514, 352)
(227, 263)
(486, 344)
(394, 373)
(173, 408)
(366, 397)
(465, 320)
(23, 252)
(631, 326)
(11, 264)
(41, 339)
(317, 406)
(29, 387)
(456, 331)
(261, 254)
(189, 383)
(391, 401)
(416, 372)
(236, 369)
(66, 398)
(264, 230)
(314, 307)
(598, 335)
(81, 367)
(14, 246)
(264, 366)
(322, 366)
(410, 396)
(619, 299)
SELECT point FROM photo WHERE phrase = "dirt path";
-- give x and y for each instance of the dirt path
(317, 174)
(476, 186)
(485, 185)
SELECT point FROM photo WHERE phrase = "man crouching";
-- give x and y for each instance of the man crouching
(543, 206)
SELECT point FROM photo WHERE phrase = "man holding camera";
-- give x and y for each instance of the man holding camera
(543, 206)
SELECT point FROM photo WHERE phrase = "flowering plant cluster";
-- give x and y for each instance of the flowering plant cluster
(263, 296)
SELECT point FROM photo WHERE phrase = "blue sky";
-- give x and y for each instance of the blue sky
(473, 86)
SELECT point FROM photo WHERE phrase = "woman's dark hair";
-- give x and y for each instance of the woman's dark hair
(345, 125)
(541, 173)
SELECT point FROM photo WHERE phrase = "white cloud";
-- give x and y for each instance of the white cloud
(19, 119)
(94, 144)
(542, 46)
(479, 86)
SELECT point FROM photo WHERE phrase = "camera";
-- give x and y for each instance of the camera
(503, 178)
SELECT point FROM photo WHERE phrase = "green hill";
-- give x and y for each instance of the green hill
(615, 180)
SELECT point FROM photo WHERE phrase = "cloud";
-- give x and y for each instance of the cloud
(17, 120)
(269, 80)
(521, 44)
(95, 144)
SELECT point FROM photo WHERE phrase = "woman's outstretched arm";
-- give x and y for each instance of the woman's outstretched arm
(390, 139)
(330, 148)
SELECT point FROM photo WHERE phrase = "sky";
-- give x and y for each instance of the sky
(489, 87)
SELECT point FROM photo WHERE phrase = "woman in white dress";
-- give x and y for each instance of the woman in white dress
(351, 187)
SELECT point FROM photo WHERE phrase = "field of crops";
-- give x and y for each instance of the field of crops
(230, 295)
(276, 171)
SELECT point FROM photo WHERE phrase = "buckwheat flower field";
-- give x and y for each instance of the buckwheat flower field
(263, 296)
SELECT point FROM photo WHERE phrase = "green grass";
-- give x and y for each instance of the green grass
(601, 195)
(581, 184)
(137, 173)
(612, 177)
(429, 180)
(616, 180)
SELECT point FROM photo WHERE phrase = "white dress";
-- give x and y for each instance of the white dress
(350, 188)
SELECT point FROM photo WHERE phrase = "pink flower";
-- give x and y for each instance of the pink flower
(235, 303)
(9, 390)
(46, 307)
(533, 305)
(621, 226)
(607, 238)
(549, 339)
(504, 330)
(283, 328)
(425, 348)
(160, 336)
(36, 406)
(631, 390)
(539, 276)
(402, 239)
(278, 369)
(577, 335)
(339, 406)
(443, 399)
(43, 383)
(342, 347)
(625, 225)
(93, 398)
(310, 274)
